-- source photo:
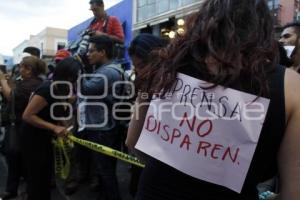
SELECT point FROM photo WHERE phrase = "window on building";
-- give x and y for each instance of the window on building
(187, 2)
(61, 45)
(273, 4)
(274, 7)
(142, 3)
(150, 8)
(163, 6)
(174, 4)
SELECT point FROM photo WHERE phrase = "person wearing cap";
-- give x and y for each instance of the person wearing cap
(102, 24)
(61, 54)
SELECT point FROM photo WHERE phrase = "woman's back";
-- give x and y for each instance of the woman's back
(23, 91)
(224, 46)
(161, 181)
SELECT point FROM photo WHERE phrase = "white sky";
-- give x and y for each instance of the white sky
(21, 18)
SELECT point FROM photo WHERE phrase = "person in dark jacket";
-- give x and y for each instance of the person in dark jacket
(97, 122)
(31, 68)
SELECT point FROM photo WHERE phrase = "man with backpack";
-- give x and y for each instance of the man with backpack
(104, 24)
(101, 25)
(97, 97)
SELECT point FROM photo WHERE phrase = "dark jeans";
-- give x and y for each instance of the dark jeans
(37, 156)
(106, 166)
(134, 179)
(14, 164)
(84, 162)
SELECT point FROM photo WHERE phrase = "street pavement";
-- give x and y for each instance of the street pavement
(84, 193)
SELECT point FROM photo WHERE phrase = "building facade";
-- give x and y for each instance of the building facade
(284, 11)
(48, 41)
(17, 51)
(7, 61)
(162, 17)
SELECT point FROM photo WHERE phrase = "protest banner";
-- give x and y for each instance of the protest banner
(210, 133)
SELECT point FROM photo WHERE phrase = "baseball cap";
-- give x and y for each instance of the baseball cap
(62, 54)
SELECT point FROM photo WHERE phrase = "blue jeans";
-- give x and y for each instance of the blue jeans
(106, 165)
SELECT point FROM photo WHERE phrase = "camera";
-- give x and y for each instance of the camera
(83, 45)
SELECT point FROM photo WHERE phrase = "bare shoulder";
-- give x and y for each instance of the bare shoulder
(292, 92)
(289, 154)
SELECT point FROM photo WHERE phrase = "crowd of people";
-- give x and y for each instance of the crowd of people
(228, 44)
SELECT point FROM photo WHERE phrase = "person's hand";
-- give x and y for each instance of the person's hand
(2, 75)
(60, 131)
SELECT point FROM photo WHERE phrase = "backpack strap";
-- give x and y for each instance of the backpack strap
(117, 68)
(105, 26)
(105, 23)
(122, 72)
(92, 22)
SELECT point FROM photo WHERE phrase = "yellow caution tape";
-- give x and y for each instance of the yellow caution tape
(58, 160)
(63, 148)
(107, 151)
(61, 158)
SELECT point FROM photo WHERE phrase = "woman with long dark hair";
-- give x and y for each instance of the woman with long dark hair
(140, 53)
(228, 43)
(41, 126)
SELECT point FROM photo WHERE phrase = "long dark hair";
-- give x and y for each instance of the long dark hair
(236, 34)
(143, 44)
(66, 70)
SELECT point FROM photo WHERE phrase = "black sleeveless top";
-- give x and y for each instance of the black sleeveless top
(162, 182)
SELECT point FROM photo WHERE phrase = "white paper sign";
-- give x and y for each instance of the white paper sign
(210, 134)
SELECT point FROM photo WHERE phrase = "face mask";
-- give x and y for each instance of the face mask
(289, 50)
